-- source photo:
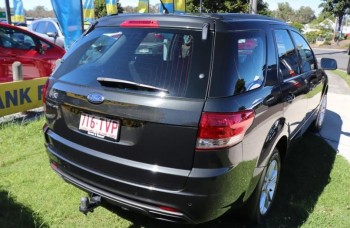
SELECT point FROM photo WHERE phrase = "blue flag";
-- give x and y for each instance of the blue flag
(169, 4)
(18, 11)
(111, 6)
(68, 14)
(143, 6)
(89, 12)
(180, 6)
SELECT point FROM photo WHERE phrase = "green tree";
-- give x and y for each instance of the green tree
(120, 8)
(322, 16)
(130, 9)
(304, 15)
(339, 8)
(225, 6)
(101, 10)
(298, 26)
(284, 12)
(39, 12)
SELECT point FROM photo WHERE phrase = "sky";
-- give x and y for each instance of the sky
(295, 4)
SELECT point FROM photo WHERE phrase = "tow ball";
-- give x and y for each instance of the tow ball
(88, 205)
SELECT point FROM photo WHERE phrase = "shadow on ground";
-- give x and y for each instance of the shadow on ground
(13, 214)
(305, 173)
(332, 129)
(22, 118)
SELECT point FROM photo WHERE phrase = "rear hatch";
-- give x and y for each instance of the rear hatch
(125, 103)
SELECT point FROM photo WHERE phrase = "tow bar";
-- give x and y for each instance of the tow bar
(87, 205)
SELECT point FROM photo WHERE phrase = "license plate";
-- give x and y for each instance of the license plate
(99, 126)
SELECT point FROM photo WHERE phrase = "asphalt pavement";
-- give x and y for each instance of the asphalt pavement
(336, 128)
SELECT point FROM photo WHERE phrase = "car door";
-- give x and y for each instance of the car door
(20, 46)
(41, 28)
(5, 59)
(314, 77)
(294, 84)
(54, 34)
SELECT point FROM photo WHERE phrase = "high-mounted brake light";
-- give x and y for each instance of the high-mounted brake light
(140, 23)
(220, 130)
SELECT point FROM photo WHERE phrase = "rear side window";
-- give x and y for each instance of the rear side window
(239, 63)
(173, 60)
(305, 53)
(11, 38)
(288, 57)
(51, 28)
(40, 27)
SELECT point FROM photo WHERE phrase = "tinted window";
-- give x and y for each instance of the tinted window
(288, 57)
(11, 38)
(40, 27)
(306, 55)
(177, 61)
(239, 63)
(51, 28)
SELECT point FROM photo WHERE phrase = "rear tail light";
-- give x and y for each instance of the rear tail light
(140, 23)
(220, 130)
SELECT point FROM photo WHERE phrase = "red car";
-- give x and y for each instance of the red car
(37, 55)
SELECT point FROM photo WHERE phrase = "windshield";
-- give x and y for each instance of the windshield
(176, 61)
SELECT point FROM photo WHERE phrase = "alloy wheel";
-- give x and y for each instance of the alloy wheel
(268, 187)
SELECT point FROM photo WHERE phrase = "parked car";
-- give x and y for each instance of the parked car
(182, 118)
(48, 28)
(37, 55)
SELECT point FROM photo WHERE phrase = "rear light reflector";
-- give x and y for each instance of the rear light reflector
(220, 130)
(170, 209)
(140, 23)
(54, 165)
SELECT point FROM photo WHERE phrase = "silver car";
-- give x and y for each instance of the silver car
(48, 28)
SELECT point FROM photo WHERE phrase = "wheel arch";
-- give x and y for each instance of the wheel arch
(277, 138)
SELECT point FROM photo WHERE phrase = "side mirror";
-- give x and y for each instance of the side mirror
(52, 34)
(328, 64)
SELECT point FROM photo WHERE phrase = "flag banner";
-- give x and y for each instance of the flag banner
(18, 11)
(69, 14)
(111, 6)
(180, 6)
(169, 4)
(143, 6)
(88, 10)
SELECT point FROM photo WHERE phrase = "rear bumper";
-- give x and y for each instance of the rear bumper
(123, 202)
(208, 193)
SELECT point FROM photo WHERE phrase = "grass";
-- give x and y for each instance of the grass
(314, 190)
(343, 75)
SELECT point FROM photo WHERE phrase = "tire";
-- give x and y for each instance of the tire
(317, 125)
(260, 202)
(348, 68)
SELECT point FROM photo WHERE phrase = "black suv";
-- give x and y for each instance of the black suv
(182, 117)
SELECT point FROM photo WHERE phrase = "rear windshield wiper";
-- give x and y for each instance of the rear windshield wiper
(124, 84)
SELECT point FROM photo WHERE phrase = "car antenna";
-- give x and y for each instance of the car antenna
(165, 10)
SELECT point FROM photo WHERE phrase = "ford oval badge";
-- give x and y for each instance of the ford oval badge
(95, 98)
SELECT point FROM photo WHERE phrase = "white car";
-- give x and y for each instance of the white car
(48, 28)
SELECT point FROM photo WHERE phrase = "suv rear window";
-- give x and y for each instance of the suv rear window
(174, 60)
(239, 63)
